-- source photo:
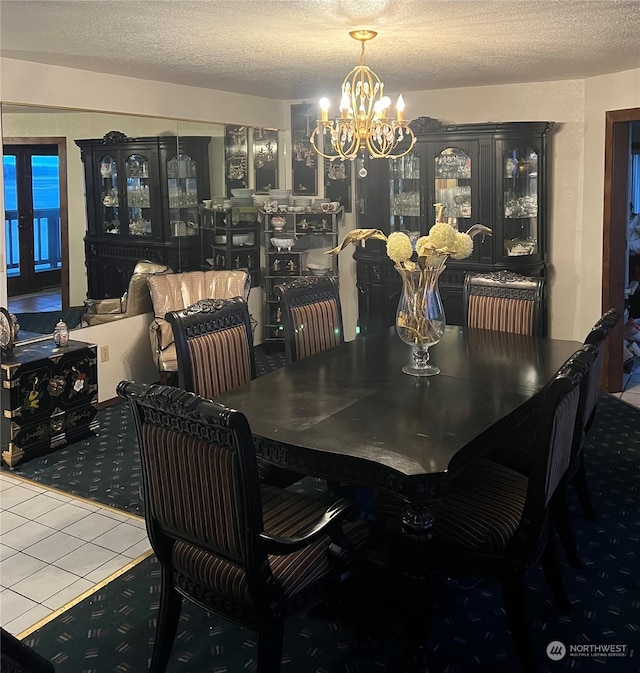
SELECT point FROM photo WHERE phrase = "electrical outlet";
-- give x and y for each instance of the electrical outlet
(104, 353)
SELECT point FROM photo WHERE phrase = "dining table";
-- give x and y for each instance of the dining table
(350, 415)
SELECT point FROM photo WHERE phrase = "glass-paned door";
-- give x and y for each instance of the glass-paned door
(32, 217)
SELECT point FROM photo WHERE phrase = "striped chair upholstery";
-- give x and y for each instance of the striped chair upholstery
(517, 449)
(504, 301)
(493, 521)
(223, 540)
(214, 349)
(214, 346)
(311, 315)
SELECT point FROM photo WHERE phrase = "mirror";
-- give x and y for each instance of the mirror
(67, 125)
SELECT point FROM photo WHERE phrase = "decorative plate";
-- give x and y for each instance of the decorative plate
(7, 331)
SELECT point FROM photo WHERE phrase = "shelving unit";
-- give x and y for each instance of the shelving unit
(310, 234)
(230, 239)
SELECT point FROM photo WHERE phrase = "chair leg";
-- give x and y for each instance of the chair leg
(270, 646)
(168, 617)
(562, 521)
(582, 491)
(513, 589)
(553, 573)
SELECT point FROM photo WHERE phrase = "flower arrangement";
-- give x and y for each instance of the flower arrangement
(418, 320)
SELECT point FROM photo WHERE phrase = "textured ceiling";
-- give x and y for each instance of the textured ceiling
(300, 49)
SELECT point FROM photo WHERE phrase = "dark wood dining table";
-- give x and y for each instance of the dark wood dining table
(351, 415)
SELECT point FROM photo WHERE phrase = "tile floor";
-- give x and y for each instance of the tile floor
(55, 548)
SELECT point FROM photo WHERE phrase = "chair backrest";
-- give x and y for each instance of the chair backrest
(214, 346)
(596, 337)
(559, 423)
(504, 301)
(137, 298)
(311, 316)
(201, 491)
(175, 291)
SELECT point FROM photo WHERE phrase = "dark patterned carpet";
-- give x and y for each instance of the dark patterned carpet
(44, 322)
(112, 630)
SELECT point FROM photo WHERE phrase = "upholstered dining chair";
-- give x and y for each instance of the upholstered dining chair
(516, 451)
(311, 316)
(214, 349)
(175, 291)
(504, 301)
(494, 522)
(250, 553)
(134, 301)
(214, 346)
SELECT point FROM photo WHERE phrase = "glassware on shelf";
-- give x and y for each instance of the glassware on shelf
(453, 163)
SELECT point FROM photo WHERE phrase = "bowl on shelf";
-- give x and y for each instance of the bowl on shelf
(242, 193)
(296, 209)
(317, 270)
(282, 243)
(330, 206)
(220, 240)
(241, 239)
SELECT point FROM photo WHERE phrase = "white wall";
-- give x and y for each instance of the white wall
(577, 151)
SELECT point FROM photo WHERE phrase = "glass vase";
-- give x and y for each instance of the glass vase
(420, 319)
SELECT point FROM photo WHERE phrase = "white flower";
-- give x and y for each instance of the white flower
(462, 246)
(399, 247)
(78, 385)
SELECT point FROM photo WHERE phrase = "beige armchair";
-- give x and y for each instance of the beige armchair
(134, 301)
(175, 291)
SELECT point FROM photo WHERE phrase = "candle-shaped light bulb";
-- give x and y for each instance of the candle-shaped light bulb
(400, 108)
(345, 105)
(324, 109)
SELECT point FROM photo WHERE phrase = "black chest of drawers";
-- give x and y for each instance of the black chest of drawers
(49, 397)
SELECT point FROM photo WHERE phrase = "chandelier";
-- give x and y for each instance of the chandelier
(364, 125)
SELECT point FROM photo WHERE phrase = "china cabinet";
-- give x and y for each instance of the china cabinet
(491, 173)
(230, 239)
(49, 397)
(142, 198)
(295, 244)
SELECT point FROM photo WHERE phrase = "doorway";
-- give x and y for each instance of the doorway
(36, 219)
(614, 237)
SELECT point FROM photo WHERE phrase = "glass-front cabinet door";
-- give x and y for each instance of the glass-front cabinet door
(109, 206)
(452, 171)
(519, 185)
(182, 188)
(406, 205)
(138, 190)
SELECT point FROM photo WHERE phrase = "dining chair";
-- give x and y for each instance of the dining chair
(250, 553)
(311, 316)
(516, 451)
(175, 291)
(504, 301)
(494, 522)
(214, 350)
